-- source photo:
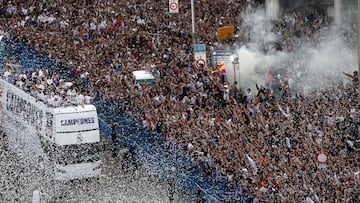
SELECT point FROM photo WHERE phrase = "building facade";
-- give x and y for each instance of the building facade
(338, 10)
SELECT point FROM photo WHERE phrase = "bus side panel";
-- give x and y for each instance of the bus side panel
(23, 142)
(76, 121)
(77, 137)
(23, 118)
(76, 127)
(23, 108)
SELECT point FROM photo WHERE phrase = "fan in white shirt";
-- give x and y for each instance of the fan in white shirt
(57, 101)
(66, 101)
(68, 84)
(71, 96)
(40, 85)
(40, 73)
(35, 74)
(19, 82)
(71, 92)
(80, 99)
(49, 81)
(88, 99)
(51, 99)
(7, 73)
(42, 97)
(22, 75)
(249, 95)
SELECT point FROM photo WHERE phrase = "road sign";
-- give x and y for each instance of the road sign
(224, 33)
(322, 158)
(217, 56)
(199, 47)
(173, 6)
(200, 54)
(200, 62)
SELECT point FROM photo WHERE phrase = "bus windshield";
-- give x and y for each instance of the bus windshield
(74, 154)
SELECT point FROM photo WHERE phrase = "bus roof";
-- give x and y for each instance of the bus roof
(73, 109)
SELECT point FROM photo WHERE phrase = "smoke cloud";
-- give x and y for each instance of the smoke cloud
(311, 65)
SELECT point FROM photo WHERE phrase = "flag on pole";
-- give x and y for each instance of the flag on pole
(221, 67)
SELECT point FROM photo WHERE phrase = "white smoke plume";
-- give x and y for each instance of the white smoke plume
(313, 66)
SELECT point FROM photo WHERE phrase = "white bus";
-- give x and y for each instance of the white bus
(62, 141)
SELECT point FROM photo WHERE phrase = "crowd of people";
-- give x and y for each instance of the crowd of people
(265, 140)
(47, 87)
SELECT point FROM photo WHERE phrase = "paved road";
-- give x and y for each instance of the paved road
(18, 180)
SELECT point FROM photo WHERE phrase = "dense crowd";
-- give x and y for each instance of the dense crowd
(47, 87)
(265, 141)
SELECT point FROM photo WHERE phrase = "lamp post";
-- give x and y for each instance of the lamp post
(235, 61)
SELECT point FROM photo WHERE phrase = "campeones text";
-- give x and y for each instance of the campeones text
(78, 121)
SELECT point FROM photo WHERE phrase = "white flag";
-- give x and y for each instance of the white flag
(36, 197)
(309, 200)
(287, 140)
(252, 164)
(173, 6)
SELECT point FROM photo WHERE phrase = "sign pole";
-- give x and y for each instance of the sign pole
(200, 55)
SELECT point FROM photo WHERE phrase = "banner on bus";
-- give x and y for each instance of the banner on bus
(67, 121)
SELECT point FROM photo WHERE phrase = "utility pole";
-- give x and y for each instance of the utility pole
(358, 15)
(193, 25)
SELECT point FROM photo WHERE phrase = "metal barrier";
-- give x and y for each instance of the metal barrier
(154, 152)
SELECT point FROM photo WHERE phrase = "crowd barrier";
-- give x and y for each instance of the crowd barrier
(154, 153)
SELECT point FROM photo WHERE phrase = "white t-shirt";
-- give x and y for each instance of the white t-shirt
(84, 75)
(41, 96)
(250, 96)
(7, 73)
(64, 24)
(80, 99)
(51, 100)
(71, 92)
(67, 85)
(102, 25)
(34, 75)
(20, 83)
(22, 76)
(57, 101)
(24, 11)
(41, 73)
(49, 81)
(40, 86)
(87, 99)
(140, 21)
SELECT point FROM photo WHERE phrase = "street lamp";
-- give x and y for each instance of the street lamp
(235, 61)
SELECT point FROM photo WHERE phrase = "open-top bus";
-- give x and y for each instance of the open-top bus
(62, 141)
